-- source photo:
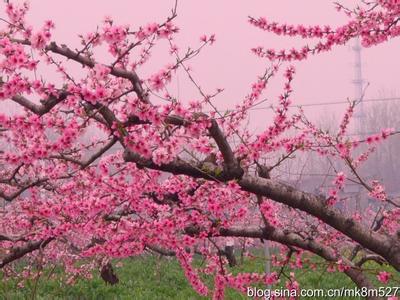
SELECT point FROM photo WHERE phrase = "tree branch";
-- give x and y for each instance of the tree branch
(40, 110)
(279, 192)
(292, 239)
(63, 50)
(92, 158)
(19, 252)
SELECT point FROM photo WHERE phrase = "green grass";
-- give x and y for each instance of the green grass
(156, 278)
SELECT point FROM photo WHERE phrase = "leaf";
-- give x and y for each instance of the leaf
(121, 129)
(218, 171)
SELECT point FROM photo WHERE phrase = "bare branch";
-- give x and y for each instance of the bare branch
(370, 257)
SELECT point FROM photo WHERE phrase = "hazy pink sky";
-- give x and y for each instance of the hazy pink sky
(230, 64)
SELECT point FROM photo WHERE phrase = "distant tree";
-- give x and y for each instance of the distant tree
(384, 164)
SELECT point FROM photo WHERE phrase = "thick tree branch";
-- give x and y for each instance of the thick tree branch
(224, 147)
(10, 239)
(279, 192)
(19, 252)
(44, 108)
(21, 190)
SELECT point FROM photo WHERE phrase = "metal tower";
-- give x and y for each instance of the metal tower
(358, 83)
(359, 113)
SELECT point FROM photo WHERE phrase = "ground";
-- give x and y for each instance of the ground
(154, 278)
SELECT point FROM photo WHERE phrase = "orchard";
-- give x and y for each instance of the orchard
(98, 162)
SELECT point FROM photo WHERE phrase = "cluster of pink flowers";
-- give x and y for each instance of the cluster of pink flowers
(208, 39)
(161, 78)
(340, 180)
(191, 274)
(219, 287)
(14, 57)
(139, 146)
(40, 39)
(291, 30)
(378, 191)
(101, 72)
(346, 120)
(114, 34)
(339, 183)
(202, 145)
(268, 141)
(384, 277)
(165, 31)
(15, 85)
(269, 212)
(16, 13)
(372, 26)
(162, 156)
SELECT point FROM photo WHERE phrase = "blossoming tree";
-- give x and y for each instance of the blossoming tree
(167, 176)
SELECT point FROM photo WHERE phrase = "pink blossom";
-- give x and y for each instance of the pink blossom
(383, 277)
